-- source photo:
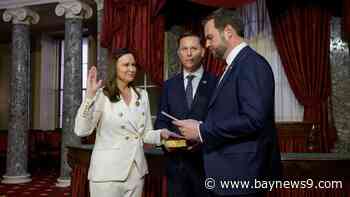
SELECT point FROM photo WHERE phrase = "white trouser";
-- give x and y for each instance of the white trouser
(131, 187)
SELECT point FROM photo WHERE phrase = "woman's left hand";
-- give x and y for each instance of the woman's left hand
(166, 134)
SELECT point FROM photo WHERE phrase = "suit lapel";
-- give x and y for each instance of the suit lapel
(221, 84)
(180, 89)
(130, 110)
(202, 87)
(232, 67)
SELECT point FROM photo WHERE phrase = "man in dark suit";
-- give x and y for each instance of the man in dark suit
(238, 137)
(186, 95)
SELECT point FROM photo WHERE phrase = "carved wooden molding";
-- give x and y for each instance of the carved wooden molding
(299, 136)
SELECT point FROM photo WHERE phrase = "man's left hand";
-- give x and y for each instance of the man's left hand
(188, 128)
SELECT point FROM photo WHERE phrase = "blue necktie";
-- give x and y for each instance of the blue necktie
(189, 91)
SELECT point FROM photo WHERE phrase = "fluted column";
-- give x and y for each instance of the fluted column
(74, 11)
(102, 53)
(17, 148)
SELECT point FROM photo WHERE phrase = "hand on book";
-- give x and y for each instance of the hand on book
(165, 134)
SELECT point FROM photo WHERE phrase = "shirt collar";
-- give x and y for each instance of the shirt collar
(198, 73)
(234, 52)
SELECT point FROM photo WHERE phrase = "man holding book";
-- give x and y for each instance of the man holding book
(186, 96)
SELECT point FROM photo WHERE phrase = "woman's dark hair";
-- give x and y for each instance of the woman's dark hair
(111, 88)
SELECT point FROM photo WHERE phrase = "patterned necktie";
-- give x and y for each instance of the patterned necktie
(189, 91)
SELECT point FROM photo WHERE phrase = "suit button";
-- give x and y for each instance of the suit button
(120, 114)
(126, 137)
(123, 127)
(136, 137)
(142, 125)
(143, 113)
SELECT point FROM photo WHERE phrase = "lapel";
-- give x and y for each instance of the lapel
(232, 67)
(132, 114)
(180, 89)
(201, 89)
(140, 109)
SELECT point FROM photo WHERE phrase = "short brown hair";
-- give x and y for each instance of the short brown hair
(223, 17)
(189, 34)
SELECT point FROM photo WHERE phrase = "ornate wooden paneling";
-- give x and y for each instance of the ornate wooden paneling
(296, 167)
(298, 136)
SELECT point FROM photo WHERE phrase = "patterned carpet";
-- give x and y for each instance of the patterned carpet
(43, 184)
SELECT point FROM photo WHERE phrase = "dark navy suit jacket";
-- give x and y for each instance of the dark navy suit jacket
(173, 101)
(239, 135)
(185, 169)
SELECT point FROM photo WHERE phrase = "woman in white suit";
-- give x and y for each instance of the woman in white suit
(121, 115)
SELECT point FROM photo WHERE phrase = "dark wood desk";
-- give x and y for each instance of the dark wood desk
(296, 166)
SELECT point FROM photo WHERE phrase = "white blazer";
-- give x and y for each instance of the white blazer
(121, 132)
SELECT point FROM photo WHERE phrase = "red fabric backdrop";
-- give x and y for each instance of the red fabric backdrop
(135, 24)
(302, 33)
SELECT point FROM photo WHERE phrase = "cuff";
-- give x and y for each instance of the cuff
(199, 131)
(159, 140)
(86, 106)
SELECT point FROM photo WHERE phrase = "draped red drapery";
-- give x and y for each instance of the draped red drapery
(135, 24)
(302, 34)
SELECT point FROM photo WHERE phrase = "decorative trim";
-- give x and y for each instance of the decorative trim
(16, 179)
(74, 9)
(21, 16)
(62, 182)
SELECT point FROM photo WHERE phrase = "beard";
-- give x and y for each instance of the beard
(220, 51)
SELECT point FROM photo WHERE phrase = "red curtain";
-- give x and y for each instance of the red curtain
(223, 3)
(302, 34)
(346, 19)
(135, 24)
(213, 65)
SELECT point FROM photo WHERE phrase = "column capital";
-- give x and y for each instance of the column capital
(21, 15)
(99, 4)
(73, 9)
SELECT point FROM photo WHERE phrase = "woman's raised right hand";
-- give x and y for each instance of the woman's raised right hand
(91, 82)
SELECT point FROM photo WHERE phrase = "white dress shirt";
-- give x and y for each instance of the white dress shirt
(231, 56)
(195, 81)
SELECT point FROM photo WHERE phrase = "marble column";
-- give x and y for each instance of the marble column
(17, 148)
(102, 53)
(340, 75)
(74, 12)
